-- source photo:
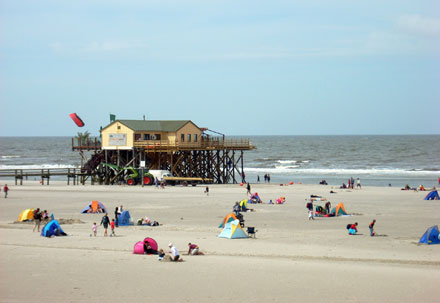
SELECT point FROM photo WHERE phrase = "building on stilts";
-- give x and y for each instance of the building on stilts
(128, 147)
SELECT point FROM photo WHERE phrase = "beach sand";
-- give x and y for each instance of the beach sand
(292, 259)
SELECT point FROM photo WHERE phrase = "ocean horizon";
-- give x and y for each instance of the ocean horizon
(379, 160)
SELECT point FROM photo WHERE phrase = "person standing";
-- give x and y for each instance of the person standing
(258, 178)
(358, 183)
(268, 178)
(37, 219)
(207, 190)
(105, 221)
(371, 227)
(248, 189)
(6, 189)
(328, 205)
(117, 213)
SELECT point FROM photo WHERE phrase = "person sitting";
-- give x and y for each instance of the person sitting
(161, 254)
(45, 216)
(343, 186)
(193, 249)
(353, 229)
(99, 210)
(90, 210)
(175, 255)
(236, 209)
(148, 249)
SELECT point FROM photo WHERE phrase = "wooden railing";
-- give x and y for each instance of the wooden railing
(244, 144)
(215, 143)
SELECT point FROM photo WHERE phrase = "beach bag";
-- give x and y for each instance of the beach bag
(309, 205)
(349, 225)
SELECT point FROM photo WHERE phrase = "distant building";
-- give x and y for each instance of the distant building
(128, 134)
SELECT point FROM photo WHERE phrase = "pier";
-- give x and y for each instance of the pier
(73, 175)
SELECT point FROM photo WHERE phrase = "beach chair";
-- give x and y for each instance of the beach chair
(251, 231)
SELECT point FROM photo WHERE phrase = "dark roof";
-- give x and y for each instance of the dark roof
(154, 125)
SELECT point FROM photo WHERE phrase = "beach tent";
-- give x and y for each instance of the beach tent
(431, 236)
(339, 210)
(230, 217)
(233, 230)
(256, 198)
(432, 196)
(27, 214)
(124, 219)
(139, 247)
(94, 205)
(52, 228)
(243, 204)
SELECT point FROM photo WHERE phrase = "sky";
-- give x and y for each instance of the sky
(237, 67)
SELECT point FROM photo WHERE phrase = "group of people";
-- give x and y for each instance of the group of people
(174, 254)
(266, 178)
(352, 228)
(351, 182)
(311, 210)
(40, 216)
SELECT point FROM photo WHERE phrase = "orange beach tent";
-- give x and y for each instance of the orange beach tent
(27, 214)
(339, 210)
(230, 217)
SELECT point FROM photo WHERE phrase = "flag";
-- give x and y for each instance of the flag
(112, 118)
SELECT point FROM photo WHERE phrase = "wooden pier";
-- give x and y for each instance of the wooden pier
(73, 174)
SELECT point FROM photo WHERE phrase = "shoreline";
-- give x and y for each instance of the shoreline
(289, 256)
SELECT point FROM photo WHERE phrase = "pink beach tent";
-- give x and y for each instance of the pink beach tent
(139, 246)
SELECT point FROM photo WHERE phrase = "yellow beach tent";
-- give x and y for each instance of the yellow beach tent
(27, 214)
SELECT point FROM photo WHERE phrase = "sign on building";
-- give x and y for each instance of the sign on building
(117, 139)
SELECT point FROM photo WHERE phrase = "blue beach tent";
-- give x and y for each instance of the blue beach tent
(233, 230)
(431, 236)
(124, 219)
(52, 228)
(432, 196)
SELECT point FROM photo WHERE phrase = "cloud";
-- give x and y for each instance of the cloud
(419, 25)
(111, 46)
(56, 46)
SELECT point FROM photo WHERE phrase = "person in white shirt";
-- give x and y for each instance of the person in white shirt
(175, 255)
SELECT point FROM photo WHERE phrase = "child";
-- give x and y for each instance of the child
(161, 254)
(371, 227)
(112, 225)
(94, 229)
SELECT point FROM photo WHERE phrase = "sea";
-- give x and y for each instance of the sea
(377, 160)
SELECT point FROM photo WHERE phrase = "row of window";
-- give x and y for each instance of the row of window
(188, 136)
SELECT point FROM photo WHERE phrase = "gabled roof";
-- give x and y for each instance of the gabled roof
(155, 125)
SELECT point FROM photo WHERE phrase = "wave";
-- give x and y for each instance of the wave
(342, 171)
(38, 166)
(9, 157)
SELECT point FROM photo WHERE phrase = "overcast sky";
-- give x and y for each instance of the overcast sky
(237, 67)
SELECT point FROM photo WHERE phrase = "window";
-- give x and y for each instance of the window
(195, 137)
(189, 137)
(119, 127)
(137, 137)
(157, 136)
(182, 138)
(146, 136)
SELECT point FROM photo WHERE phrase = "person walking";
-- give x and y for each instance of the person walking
(371, 227)
(6, 189)
(207, 190)
(248, 189)
(105, 221)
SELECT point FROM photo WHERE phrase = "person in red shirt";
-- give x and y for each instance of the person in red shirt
(193, 249)
(353, 229)
(112, 225)
(6, 189)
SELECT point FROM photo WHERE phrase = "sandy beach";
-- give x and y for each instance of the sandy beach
(292, 259)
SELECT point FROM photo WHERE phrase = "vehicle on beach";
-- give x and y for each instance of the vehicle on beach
(133, 176)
